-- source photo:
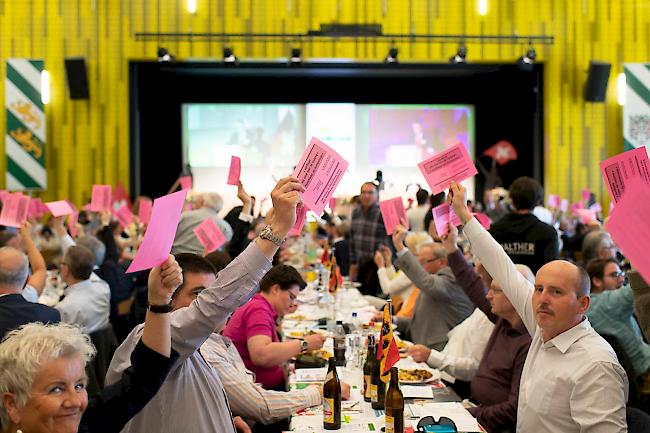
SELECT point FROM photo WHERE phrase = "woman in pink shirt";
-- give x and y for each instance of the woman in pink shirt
(252, 328)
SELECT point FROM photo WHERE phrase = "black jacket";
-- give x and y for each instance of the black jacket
(16, 311)
(526, 239)
(115, 405)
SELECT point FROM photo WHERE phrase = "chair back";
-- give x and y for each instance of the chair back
(106, 344)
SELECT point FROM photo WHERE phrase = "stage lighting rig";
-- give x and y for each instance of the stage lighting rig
(460, 56)
(295, 59)
(229, 57)
(527, 61)
(164, 56)
(391, 57)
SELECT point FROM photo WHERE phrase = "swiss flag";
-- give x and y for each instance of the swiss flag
(502, 152)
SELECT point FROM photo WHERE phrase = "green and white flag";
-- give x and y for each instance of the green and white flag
(25, 135)
(636, 112)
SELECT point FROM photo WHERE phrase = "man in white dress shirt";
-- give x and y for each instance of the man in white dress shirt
(571, 381)
(87, 301)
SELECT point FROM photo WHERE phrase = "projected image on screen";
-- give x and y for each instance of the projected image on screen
(263, 135)
(404, 135)
(270, 138)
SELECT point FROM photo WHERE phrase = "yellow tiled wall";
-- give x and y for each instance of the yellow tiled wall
(88, 141)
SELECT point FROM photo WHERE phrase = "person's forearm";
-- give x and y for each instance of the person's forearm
(276, 353)
(37, 264)
(495, 260)
(462, 368)
(157, 332)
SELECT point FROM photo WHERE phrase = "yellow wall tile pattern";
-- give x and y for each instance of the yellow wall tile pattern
(88, 141)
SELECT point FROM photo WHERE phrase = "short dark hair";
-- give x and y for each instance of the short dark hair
(219, 259)
(437, 199)
(526, 193)
(284, 275)
(596, 267)
(80, 261)
(421, 196)
(195, 264)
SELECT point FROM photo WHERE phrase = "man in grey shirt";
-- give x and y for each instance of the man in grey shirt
(441, 305)
(192, 399)
(209, 205)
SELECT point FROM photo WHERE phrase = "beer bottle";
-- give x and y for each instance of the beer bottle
(394, 404)
(332, 398)
(377, 387)
(368, 368)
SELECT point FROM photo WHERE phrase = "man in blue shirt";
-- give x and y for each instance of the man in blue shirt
(611, 312)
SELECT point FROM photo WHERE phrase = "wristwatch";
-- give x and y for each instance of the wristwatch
(303, 345)
(268, 234)
(160, 308)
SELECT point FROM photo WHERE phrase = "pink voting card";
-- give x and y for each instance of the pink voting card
(301, 216)
(159, 237)
(58, 208)
(320, 170)
(451, 164)
(564, 205)
(393, 213)
(332, 204)
(102, 198)
(629, 226)
(124, 216)
(209, 235)
(619, 170)
(14, 210)
(36, 208)
(553, 201)
(144, 210)
(235, 170)
(186, 182)
(586, 215)
(442, 215)
(575, 207)
(586, 195)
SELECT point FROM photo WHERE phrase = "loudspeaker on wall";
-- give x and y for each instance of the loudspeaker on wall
(75, 69)
(596, 85)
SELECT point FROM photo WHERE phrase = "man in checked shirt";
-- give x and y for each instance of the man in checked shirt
(367, 234)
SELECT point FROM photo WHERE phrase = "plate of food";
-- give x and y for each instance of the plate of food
(296, 317)
(417, 375)
(300, 333)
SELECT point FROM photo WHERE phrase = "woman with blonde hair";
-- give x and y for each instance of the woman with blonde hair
(43, 377)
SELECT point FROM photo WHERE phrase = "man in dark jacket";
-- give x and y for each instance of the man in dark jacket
(526, 239)
(14, 309)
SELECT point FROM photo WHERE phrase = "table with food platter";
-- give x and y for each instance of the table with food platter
(425, 394)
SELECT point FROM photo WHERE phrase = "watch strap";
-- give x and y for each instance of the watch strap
(167, 308)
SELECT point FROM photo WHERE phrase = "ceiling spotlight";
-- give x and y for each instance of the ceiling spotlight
(460, 56)
(391, 57)
(229, 56)
(527, 61)
(295, 59)
(164, 56)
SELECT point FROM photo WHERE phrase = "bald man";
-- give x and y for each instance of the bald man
(15, 310)
(441, 304)
(571, 380)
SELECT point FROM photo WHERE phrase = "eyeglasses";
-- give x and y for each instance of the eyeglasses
(443, 425)
(618, 274)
